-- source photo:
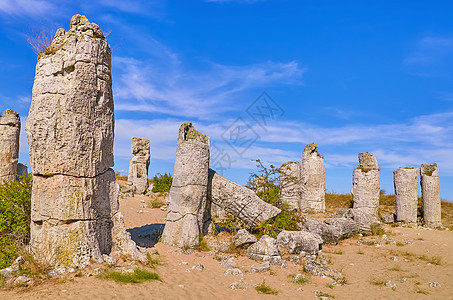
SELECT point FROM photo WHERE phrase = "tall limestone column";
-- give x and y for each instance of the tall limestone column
(188, 212)
(313, 180)
(75, 218)
(365, 184)
(290, 184)
(9, 145)
(429, 180)
(137, 177)
(406, 194)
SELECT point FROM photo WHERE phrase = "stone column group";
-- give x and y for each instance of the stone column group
(303, 187)
(406, 195)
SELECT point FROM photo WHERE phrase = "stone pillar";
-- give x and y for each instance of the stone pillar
(138, 168)
(406, 194)
(365, 184)
(9, 145)
(313, 180)
(75, 218)
(188, 214)
(429, 180)
(290, 184)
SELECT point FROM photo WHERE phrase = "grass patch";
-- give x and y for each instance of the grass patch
(138, 276)
(360, 252)
(322, 294)
(422, 292)
(395, 268)
(202, 244)
(377, 229)
(435, 260)
(377, 282)
(299, 278)
(265, 289)
(399, 244)
(339, 252)
(153, 261)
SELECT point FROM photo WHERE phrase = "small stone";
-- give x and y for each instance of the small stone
(284, 264)
(183, 263)
(108, 260)
(198, 267)
(181, 285)
(238, 285)
(228, 263)
(387, 218)
(434, 284)
(243, 239)
(394, 258)
(57, 272)
(224, 247)
(402, 280)
(22, 279)
(390, 284)
(153, 251)
(235, 272)
(261, 268)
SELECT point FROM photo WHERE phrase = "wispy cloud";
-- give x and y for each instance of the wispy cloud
(26, 7)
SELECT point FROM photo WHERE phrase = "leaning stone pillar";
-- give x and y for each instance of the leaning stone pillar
(138, 168)
(75, 218)
(313, 180)
(429, 180)
(188, 214)
(290, 184)
(9, 145)
(365, 184)
(406, 194)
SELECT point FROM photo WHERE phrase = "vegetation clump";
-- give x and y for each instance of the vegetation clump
(137, 276)
(162, 183)
(265, 289)
(15, 207)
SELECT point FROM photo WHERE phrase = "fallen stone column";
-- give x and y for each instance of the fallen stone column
(429, 180)
(138, 167)
(188, 213)
(240, 201)
(290, 184)
(74, 217)
(9, 145)
(406, 194)
(313, 180)
(365, 184)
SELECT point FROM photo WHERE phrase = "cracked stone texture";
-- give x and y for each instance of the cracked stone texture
(70, 133)
(365, 184)
(243, 239)
(9, 145)
(429, 181)
(240, 201)
(139, 165)
(188, 210)
(70, 123)
(330, 234)
(290, 184)
(313, 180)
(297, 242)
(406, 194)
(264, 249)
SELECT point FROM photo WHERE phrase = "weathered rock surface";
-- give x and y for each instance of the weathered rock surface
(264, 267)
(406, 194)
(188, 211)
(243, 239)
(387, 218)
(297, 242)
(429, 180)
(365, 184)
(240, 201)
(290, 184)
(70, 133)
(9, 145)
(330, 234)
(137, 177)
(363, 220)
(313, 180)
(263, 249)
(347, 226)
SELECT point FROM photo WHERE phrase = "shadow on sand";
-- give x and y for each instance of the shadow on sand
(147, 235)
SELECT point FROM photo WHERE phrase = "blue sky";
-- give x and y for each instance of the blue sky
(352, 76)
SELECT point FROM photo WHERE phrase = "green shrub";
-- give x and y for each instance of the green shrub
(15, 205)
(265, 289)
(138, 276)
(162, 183)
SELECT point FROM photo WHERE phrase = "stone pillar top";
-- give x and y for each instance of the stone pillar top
(367, 161)
(9, 117)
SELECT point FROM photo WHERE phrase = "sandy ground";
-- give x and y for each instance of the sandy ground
(366, 267)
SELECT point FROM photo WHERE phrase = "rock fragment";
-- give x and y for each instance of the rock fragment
(263, 249)
(243, 239)
(297, 242)
(313, 180)
(406, 194)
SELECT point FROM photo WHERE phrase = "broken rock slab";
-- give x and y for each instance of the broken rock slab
(297, 242)
(243, 239)
(240, 201)
(9, 145)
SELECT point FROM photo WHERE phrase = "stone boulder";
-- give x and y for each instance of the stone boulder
(243, 239)
(264, 249)
(239, 201)
(363, 220)
(330, 234)
(346, 226)
(297, 242)
(9, 145)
